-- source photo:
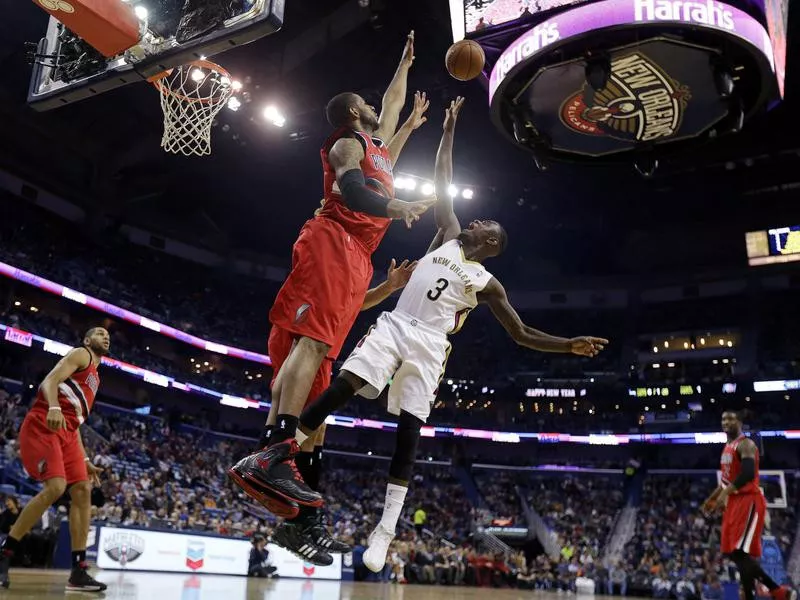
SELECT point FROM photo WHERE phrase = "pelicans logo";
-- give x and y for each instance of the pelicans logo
(123, 547)
(640, 103)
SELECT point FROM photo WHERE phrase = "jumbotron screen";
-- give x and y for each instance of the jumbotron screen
(771, 246)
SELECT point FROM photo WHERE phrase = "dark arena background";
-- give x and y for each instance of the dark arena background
(643, 157)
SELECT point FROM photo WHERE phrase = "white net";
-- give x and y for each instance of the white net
(191, 96)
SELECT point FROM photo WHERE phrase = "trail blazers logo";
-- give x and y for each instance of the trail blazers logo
(123, 547)
(640, 103)
(195, 555)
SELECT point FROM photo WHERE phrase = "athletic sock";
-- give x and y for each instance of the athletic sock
(395, 497)
(285, 429)
(78, 558)
(266, 433)
(10, 546)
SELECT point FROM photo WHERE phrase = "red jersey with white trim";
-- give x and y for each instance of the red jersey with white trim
(731, 467)
(377, 168)
(75, 396)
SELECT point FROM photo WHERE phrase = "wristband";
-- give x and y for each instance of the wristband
(58, 408)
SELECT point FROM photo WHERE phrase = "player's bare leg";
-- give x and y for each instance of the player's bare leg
(273, 471)
(80, 511)
(53, 490)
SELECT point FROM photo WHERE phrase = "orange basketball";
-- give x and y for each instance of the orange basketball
(465, 60)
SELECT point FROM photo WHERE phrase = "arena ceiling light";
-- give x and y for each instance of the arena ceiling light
(234, 103)
(467, 194)
(427, 188)
(274, 116)
(141, 12)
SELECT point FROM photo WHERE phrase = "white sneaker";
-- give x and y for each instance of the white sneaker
(377, 547)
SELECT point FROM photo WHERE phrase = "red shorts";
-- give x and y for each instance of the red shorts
(325, 290)
(49, 454)
(742, 524)
(280, 344)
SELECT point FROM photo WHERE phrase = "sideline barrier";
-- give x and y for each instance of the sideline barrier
(130, 549)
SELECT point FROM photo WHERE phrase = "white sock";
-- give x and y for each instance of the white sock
(395, 497)
(300, 437)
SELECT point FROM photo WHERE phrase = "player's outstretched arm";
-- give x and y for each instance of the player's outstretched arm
(76, 359)
(395, 96)
(446, 219)
(494, 294)
(345, 157)
(415, 121)
(396, 279)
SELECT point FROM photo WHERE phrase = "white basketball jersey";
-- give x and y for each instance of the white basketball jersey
(443, 288)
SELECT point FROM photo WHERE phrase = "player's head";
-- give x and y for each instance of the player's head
(98, 340)
(732, 423)
(351, 110)
(486, 235)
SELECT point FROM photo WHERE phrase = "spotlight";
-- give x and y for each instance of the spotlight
(452, 191)
(467, 194)
(427, 189)
(234, 104)
(598, 72)
(236, 85)
(399, 183)
(646, 166)
(273, 115)
(411, 184)
(723, 80)
(197, 75)
(140, 12)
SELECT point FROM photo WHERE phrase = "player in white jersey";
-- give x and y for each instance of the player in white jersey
(410, 344)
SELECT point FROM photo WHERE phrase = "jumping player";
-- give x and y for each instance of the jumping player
(52, 452)
(744, 509)
(331, 271)
(410, 344)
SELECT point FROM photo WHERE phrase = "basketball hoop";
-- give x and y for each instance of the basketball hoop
(191, 96)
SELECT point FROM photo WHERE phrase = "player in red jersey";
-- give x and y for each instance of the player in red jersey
(745, 509)
(331, 271)
(52, 452)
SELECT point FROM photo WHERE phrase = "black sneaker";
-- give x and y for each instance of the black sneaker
(277, 505)
(323, 539)
(273, 470)
(81, 581)
(5, 563)
(298, 539)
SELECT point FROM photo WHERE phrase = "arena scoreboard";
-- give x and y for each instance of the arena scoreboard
(773, 246)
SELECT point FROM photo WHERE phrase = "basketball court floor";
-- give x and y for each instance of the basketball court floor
(32, 584)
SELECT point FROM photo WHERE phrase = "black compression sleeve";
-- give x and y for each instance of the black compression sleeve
(357, 196)
(747, 474)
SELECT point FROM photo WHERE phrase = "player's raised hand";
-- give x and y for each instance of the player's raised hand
(421, 104)
(587, 345)
(409, 212)
(451, 114)
(398, 276)
(408, 52)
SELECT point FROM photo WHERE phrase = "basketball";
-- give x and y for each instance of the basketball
(465, 60)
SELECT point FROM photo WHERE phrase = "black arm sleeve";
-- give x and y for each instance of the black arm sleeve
(357, 196)
(747, 474)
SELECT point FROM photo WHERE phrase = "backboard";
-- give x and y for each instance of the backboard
(173, 32)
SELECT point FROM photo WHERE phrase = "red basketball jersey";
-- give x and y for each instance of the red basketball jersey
(75, 396)
(377, 169)
(731, 467)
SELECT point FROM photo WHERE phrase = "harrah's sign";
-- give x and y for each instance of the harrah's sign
(709, 12)
(615, 13)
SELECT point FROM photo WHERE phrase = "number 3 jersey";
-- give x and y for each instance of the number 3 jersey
(443, 288)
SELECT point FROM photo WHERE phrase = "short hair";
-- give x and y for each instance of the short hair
(739, 414)
(502, 239)
(90, 332)
(338, 108)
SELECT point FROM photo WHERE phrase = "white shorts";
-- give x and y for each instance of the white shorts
(410, 354)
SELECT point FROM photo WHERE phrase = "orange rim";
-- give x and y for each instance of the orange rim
(156, 80)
